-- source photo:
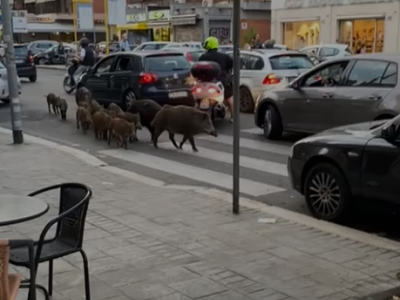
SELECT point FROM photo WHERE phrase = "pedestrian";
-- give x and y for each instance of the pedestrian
(257, 42)
(124, 43)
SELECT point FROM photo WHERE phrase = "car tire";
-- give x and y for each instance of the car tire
(7, 101)
(41, 62)
(327, 193)
(272, 123)
(33, 78)
(246, 100)
(128, 98)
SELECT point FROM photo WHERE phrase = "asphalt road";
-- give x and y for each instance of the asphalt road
(263, 163)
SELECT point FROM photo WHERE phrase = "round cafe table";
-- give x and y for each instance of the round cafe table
(17, 209)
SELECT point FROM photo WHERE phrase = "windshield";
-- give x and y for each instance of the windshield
(51, 48)
(21, 51)
(291, 61)
(166, 62)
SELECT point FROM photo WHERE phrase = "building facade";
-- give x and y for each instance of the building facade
(373, 24)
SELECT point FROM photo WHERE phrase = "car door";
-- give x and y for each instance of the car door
(380, 172)
(252, 74)
(363, 89)
(308, 107)
(98, 81)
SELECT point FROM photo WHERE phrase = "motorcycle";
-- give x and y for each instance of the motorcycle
(67, 85)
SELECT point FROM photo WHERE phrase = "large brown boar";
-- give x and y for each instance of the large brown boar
(114, 109)
(147, 110)
(52, 103)
(100, 123)
(131, 118)
(184, 120)
(121, 130)
(83, 95)
(62, 106)
(83, 119)
(94, 107)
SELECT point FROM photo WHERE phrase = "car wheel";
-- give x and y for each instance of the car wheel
(272, 123)
(129, 98)
(42, 61)
(246, 100)
(327, 193)
(33, 78)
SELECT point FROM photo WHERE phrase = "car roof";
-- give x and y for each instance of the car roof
(269, 52)
(146, 43)
(145, 53)
(185, 49)
(340, 46)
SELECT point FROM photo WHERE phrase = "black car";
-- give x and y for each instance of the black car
(52, 57)
(24, 62)
(123, 77)
(355, 162)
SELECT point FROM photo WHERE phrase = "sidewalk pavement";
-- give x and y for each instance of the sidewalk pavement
(155, 243)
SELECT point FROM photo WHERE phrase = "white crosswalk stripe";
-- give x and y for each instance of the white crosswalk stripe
(263, 166)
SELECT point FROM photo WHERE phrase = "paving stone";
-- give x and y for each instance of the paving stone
(146, 290)
(229, 295)
(120, 277)
(175, 296)
(173, 274)
(198, 287)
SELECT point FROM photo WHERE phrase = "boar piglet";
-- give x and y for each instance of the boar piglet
(147, 110)
(100, 122)
(83, 118)
(52, 103)
(184, 120)
(63, 107)
(114, 109)
(83, 95)
(120, 130)
(94, 107)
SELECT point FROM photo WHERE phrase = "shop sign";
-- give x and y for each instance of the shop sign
(41, 19)
(159, 15)
(136, 18)
(322, 3)
(183, 21)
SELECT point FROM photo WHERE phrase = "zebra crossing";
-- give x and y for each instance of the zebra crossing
(263, 163)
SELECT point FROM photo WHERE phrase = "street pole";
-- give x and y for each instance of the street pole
(236, 101)
(106, 25)
(206, 23)
(13, 92)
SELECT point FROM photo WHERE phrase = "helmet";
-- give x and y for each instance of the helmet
(84, 42)
(211, 43)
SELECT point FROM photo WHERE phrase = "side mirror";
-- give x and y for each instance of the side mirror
(2, 52)
(295, 85)
(389, 133)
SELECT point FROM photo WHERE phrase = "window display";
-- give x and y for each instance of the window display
(363, 36)
(297, 35)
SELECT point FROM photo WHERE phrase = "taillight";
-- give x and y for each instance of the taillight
(210, 90)
(189, 56)
(196, 90)
(146, 78)
(31, 59)
(271, 79)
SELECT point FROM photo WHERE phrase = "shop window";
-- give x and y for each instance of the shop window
(297, 35)
(369, 73)
(363, 36)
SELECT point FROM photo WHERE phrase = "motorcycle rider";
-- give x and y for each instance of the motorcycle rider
(86, 59)
(225, 62)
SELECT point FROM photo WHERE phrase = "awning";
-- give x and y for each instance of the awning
(58, 27)
(184, 20)
(158, 24)
(133, 26)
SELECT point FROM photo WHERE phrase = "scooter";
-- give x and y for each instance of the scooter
(67, 85)
(209, 97)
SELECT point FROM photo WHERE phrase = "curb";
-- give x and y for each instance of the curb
(51, 67)
(335, 229)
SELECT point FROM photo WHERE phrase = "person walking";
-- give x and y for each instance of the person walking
(124, 43)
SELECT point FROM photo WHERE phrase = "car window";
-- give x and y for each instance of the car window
(310, 51)
(325, 52)
(21, 51)
(389, 79)
(2, 67)
(169, 62)
(253, 62)
(321, 76)
(105, 65)
(290, 61)
(124, 63)
(367, 73)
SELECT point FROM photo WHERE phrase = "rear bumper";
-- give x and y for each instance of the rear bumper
(26, 71)
(163, 98)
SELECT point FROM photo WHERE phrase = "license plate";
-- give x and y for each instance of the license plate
(205, 104)
(19, 61)
(178, 95)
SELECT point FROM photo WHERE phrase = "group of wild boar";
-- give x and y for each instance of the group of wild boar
(115, 124)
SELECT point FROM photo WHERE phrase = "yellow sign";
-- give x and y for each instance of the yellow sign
(159, 15)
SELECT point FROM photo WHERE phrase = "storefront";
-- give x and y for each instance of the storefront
(159, 24)
(135, 27)
(362, 24)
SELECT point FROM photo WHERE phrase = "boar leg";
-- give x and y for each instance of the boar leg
(184, 139)
(191, 141)
(105, 133)
(96, 133)
(172, 138)
(48, 105)
(109, 137)
(151, 130)
(156, 135)
(77, 123)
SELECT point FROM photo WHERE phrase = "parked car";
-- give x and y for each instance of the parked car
(356, 162)
(4, 94)
(225, 48)
(23, 61)
(51, 56)
(338, 92)
(40, 46)
(191, 54)
(327, 51)
(123, 77)
(262, 69)
(197, 45)
(156, 46)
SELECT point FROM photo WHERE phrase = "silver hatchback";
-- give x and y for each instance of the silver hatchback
(262, 69)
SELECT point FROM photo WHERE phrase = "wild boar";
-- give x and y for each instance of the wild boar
(184, 120)
(100, 123)
(134, 119)
(147, 110)
(83, 118)
(94, 107)
(121, 130)
(83, 95)
(114, 109)
(52, 102)
(62, 106)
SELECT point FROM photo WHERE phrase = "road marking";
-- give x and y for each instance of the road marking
(248, 187)
(250, 144)
(254, 130)
(224, 157)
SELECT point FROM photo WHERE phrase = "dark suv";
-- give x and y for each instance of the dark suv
(23, 61)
